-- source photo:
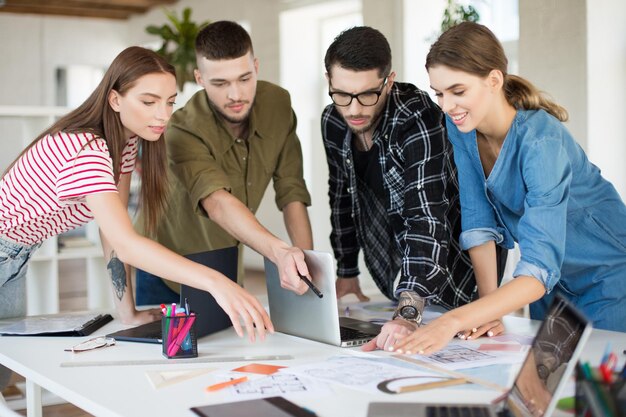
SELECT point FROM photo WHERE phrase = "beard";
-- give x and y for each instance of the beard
(369, 126)
(230, 119)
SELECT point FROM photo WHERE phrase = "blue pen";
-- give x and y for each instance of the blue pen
(607, 352)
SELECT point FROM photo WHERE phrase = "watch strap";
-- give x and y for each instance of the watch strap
(410, 298)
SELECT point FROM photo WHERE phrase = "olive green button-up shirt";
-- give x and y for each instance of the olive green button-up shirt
(205, 157)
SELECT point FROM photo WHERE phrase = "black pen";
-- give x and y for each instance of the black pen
(311, 285)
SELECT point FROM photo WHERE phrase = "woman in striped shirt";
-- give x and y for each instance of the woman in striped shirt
(79, 169)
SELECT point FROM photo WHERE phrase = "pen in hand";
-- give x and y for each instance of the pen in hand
(311, 285)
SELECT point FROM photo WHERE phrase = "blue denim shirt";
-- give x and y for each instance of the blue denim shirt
(544, 194)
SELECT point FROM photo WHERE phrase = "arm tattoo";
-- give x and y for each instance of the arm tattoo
(117, 273)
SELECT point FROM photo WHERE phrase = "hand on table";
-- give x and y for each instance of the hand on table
(493, 328)
(345, 286)
(388, 335)
(428, 338)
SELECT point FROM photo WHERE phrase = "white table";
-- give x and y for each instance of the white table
(126, 391)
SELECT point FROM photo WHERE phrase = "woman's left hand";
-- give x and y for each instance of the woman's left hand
(493, 328)
(428, 338)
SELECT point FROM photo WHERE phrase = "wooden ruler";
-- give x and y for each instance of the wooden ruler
(207, 359)
(454, 374)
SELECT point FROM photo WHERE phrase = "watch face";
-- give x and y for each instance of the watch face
(409, 312)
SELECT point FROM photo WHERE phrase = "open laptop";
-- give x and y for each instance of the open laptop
(210, 317)
(538, 384)
(312, 317)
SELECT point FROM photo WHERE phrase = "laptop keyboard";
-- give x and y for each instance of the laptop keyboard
(352, 334)
(457, 411)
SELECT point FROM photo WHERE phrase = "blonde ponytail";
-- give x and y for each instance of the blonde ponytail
(522, 94)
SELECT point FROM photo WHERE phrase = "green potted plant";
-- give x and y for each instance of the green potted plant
(456, 13)
(178, 46)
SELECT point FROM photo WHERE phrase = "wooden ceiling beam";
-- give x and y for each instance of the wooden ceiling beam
(61, 11)
(108, 9)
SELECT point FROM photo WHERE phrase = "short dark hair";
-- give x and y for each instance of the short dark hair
(360, 48)
(223, 40)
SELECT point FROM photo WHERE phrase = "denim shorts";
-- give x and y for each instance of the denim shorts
(14, 259)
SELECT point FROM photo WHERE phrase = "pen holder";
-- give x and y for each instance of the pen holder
(179, 336)
(598, 398)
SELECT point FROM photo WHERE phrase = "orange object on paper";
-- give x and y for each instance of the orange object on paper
(259, 368)
(219, 386)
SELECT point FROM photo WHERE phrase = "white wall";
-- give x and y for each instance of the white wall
(606, 89)
(33, 47)
(553, 55)
(574, 50)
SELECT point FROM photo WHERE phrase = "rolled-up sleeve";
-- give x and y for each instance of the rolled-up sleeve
(288, 177)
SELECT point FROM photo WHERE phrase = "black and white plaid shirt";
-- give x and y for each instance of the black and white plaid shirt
(415, 229)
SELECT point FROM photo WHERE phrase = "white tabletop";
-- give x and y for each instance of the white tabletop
(125, 390)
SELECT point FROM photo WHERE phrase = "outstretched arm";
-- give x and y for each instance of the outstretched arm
(136, 250)
(435, 335)
(236, 219)
(120, 275)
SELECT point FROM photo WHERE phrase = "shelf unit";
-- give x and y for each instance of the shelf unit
(19, 126)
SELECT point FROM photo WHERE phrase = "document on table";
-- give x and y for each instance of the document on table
(357, 372)
(467, 355)
(277, 384)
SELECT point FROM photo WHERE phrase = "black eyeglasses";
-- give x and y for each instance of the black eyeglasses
(367, 98)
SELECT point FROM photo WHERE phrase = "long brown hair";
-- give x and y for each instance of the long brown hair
(96, 116)
(472, 48)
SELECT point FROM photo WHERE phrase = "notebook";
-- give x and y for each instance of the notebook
(73, 324)
(547, 367)
(309, 316)
(210, 317)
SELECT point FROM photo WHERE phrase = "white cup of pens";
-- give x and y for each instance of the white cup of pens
(178, 332)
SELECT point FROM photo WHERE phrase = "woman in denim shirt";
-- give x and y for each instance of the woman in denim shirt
(524, 179)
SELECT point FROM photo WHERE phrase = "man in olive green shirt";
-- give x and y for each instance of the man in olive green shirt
(224, 146)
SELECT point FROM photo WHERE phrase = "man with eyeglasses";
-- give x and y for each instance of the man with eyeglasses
(392, 186)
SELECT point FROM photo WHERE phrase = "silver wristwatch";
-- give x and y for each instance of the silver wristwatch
(410, 307)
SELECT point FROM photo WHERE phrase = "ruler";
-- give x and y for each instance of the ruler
(131, 362)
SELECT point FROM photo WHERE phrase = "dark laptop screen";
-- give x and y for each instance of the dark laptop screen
(553, 348)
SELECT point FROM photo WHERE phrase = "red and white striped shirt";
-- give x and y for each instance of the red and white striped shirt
(44, 192)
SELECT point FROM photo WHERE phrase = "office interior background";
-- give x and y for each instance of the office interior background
(573, 49)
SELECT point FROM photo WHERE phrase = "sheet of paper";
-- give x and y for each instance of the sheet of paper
(163, 378)
(356, 372)
(277, 384)
(518, 338)
(500, 347)
(461, 356)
